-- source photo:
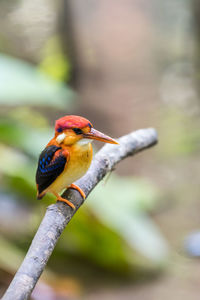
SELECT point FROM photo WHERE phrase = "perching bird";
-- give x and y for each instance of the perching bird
(67, 156)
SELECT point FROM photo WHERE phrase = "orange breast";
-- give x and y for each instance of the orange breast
(80, 157)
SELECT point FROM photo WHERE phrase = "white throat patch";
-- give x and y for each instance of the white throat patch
(84, 141)
(60, 138)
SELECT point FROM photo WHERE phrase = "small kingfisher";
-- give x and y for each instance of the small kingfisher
(67, 156)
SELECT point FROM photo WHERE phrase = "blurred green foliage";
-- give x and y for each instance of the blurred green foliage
(113, 231)
(22, 83)
(54, 63)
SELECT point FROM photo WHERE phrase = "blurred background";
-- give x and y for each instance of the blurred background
(124, 65)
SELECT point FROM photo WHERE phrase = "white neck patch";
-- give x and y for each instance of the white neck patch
(60, 138)
(84, 141)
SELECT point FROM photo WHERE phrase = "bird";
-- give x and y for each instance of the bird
(67, 156)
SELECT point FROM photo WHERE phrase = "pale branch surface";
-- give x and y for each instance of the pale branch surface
(58, 215)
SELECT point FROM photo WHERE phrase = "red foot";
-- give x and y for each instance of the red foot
(76, 187)
(59, 198)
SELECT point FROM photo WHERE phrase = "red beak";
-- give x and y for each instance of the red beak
(99, 136)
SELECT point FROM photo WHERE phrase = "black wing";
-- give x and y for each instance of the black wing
(49, 167)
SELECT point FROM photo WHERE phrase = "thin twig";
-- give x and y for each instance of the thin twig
(58, 215)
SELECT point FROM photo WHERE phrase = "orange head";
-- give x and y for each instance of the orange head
(72, 129)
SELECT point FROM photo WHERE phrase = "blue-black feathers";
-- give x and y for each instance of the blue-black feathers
(49, 168)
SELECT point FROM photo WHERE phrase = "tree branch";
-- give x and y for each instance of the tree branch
(58, 215)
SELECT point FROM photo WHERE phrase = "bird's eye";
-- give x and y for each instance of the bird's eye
(59, 129)
(77, 130)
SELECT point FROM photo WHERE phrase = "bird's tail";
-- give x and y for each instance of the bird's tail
(39, 195)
